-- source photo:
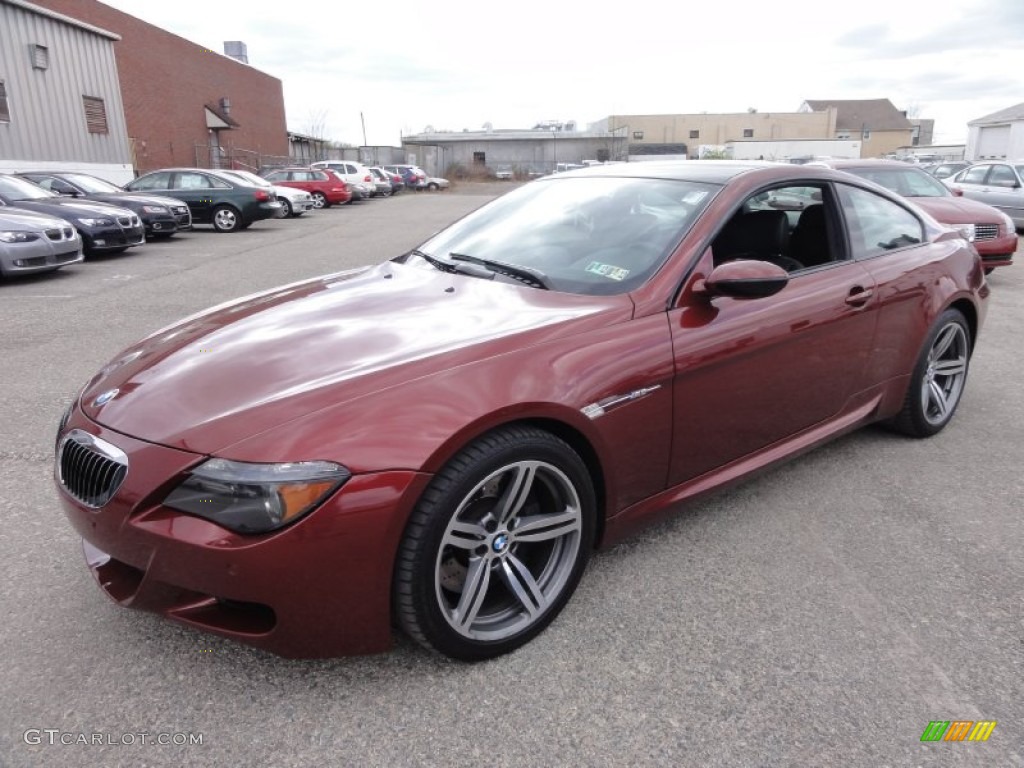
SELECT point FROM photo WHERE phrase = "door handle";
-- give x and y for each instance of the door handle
(859, 296)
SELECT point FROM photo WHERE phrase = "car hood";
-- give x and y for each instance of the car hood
(62, 206)
(248, 366)
(959, 210)
(28, 221)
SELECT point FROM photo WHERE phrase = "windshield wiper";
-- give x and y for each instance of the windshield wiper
(473, 270)
(528, 275)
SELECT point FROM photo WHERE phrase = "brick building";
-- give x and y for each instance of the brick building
(185, 104)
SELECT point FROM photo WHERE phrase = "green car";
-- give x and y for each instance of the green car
(225, 201)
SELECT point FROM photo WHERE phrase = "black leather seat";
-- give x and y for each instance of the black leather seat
(762, 235)
(809, 242)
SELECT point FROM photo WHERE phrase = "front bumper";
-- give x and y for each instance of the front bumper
(997, 252)
(40, 255)
(113, 236)
(318, 588)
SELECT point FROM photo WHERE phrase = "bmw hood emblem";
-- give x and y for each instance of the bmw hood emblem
(105, 397)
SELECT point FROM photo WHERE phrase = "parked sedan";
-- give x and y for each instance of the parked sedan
(161, 216)
(1001, 185)
(604, 345)
(944, 170)
(212, 197)
(412, 175)
(325, 188)
(294, 202)
(991, 230)
(104, 228)
(382, 180)
(356, 175)
(31, 242)
(435, 183)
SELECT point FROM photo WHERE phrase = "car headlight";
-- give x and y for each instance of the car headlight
(1011, 228)
(18, 237)
(256, 498)
(967, 230)
(154, 209)
(95, 222)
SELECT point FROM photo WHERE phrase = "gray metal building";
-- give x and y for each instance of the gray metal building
(60, 99)
(537, 150)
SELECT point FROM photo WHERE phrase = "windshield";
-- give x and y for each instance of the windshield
(909, 182)
(591, 235)
(19, 189)
(91, 184)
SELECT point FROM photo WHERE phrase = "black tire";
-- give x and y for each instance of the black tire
(534, 553)
(433, 187)
(286, 206)
(320, 200)
(226, 219)
(989, 270)
(939, 378)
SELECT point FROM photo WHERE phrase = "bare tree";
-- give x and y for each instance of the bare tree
(316, 124)
(913, 110)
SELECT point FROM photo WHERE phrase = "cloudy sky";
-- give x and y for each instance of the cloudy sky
(454, 64)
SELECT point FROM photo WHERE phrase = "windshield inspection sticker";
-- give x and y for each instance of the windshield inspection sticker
(607, 270)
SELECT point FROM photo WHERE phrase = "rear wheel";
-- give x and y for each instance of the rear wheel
(320, 200)
(433, 187)
(496, 545)
(226, 219)
(939, 377)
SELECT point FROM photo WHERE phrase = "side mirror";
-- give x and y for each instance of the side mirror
(744, 279)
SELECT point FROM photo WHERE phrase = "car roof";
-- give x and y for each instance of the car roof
(872, 163)
(711, 171)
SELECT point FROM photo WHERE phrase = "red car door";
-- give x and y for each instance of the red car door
(751, 372)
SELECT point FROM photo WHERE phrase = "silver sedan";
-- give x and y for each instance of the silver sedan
(1001, 185)
(33, 242)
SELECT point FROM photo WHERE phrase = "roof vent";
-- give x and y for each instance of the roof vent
(237, 50)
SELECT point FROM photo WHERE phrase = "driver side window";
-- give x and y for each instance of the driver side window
(787, 226)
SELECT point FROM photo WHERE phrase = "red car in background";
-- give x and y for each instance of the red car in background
(442, 439)
(992, 231)
(325, 187)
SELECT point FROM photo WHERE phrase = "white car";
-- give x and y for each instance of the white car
(504, 173)
(33, 242)
(356, 175)
(294, 202)
(436, 183)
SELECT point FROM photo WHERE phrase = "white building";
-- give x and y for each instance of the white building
(999, 136)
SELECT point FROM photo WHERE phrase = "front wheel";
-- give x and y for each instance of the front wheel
(937, 383)
(496, 545)
(286, 207)
(433, 187)
(226, 219)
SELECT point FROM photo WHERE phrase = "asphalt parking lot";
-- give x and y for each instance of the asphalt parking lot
(821, 614)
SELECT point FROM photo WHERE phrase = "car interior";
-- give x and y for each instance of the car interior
(786, 226)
